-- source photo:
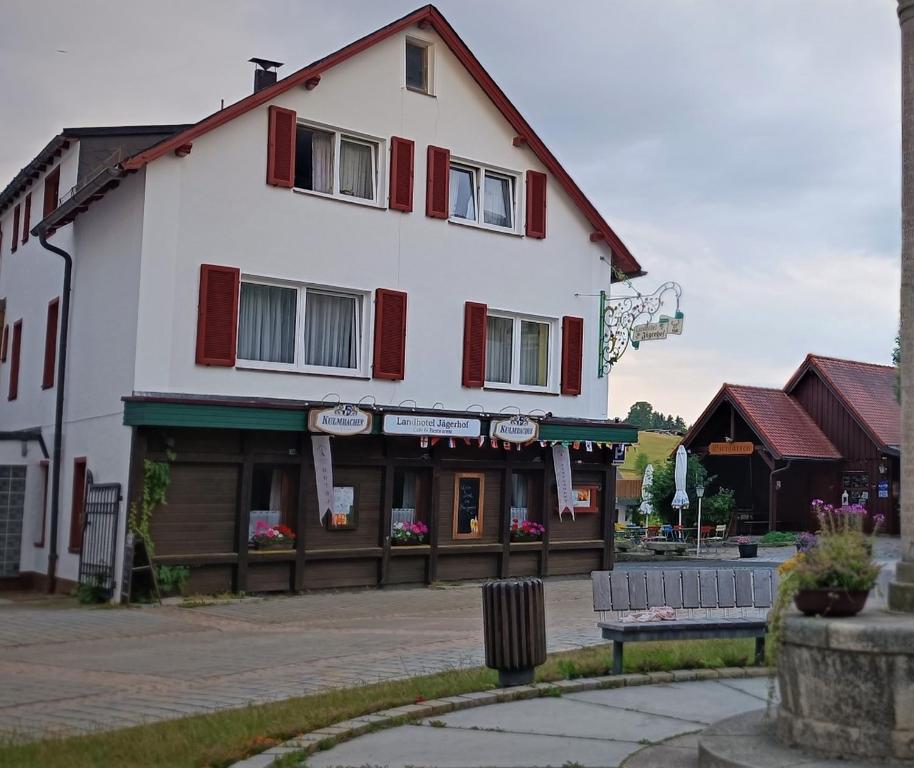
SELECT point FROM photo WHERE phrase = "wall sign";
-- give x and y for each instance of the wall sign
(469, 493)
(619, 453)
(731, 449)
(668, 326)
(341, 420)
(883, 489)
(432, 426)
(518, 429)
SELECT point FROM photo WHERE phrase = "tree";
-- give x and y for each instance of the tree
(641, 462)
(641, 415)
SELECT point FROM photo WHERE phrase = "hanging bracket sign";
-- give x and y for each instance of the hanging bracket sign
(341, 420)
(517, 429)
(431, 426)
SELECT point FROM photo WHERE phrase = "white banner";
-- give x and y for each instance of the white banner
(323, 475)
(434, 426)
(561, 460)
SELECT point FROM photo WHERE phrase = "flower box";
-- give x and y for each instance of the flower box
(272, 537)
(527, 531)
(408, 534)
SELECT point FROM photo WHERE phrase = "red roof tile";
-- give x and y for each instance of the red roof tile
(781, 422)
(868, 391)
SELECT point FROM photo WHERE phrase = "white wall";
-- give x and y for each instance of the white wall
(214, 206)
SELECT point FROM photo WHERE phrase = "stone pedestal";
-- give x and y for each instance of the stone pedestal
(847, 685)
(901, 589)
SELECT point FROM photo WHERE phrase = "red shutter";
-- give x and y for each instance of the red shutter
(437, 182)
(78, 504)
(217, 315)
(572, 354)
(51, 192)
(536, 204)
(26, 219)
(474, 344)
(389, 335)
(14, 243)
(50, 345)
(4, 345)
(401, 174)
(14, 365)
(281, 148)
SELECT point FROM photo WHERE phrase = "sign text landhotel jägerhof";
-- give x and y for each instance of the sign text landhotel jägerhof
(430, 426)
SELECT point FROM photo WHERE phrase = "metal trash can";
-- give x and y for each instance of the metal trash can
(514, 623)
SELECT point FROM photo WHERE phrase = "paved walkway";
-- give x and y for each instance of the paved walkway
(651, 726)
(72, 670)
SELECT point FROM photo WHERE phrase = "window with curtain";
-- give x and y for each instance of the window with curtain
(417, 66)
(331, 329)
(499, 348)
(357, 169)
(520, 488)
(517, 351)
(463, 192)
(498, 200)
(314, 159)
(266, 323)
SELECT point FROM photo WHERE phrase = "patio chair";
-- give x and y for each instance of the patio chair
(720, 535)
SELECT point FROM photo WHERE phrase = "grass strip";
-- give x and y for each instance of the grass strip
(219, 739)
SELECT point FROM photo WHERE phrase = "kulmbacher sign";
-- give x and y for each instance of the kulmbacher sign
(341, 420)
(430, 426)
(518, 429)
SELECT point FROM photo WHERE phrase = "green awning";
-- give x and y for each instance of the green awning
(598, 433)
(145, 414)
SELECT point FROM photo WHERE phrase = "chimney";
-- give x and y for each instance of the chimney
(265, 73)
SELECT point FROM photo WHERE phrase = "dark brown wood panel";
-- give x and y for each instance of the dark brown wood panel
(269, 577)
(368, 482)
(460, 567)
(210, 580)
(186, 442)
(201, 509)
(585, 525)
(524, 563)
(574, 562)
(406, 570)
(322, 574)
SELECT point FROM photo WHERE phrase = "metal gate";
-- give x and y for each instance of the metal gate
(99, 548)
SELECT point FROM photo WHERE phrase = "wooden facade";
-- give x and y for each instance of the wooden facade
(810, 442)
(217, 477)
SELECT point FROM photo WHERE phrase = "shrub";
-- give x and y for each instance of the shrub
(778, 539)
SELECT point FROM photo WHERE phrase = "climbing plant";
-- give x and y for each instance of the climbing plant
(156, 479)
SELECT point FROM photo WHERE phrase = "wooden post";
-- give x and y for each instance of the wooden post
(433, 520)
(384, 533)
(507, 478)
(305, 472)
(608, 517)
(244, 517)
(548, 474)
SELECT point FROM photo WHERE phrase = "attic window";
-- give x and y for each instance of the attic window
(417, 66)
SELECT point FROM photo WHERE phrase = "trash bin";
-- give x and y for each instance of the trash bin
(514, 623)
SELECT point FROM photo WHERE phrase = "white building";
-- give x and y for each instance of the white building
(380, 228)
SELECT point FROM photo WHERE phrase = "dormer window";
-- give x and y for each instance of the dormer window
(418, 66)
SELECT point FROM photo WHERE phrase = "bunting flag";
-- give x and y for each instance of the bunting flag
(481, 440)
(561, 461)
(466, 441)
(542, 443)
(435, 441)
(451, 443)
(588, 446)
(423, 442)
(506, 446)
(323, 475)
(576, 444)
(494, 442)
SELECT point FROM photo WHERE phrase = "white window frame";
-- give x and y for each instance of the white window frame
(480, 170)
(298, 365)
(429, 65)
(378, 157)
(552, 337)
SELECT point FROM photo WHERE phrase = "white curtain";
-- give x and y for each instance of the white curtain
(276, 490)
(533, 353)
(519, 497)
(330, 330)
(463, 193)
(497, 205)
(499, 344)
(356, 171)
(266, 323)
(322, 162)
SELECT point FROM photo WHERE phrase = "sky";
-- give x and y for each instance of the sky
(748, 151)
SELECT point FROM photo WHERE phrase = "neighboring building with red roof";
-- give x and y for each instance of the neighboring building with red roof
(834, 428)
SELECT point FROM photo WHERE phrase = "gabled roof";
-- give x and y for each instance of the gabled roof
(430, 16)
(779, 420)
(866, 390)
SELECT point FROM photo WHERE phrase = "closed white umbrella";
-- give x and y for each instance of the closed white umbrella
(647, 481)
(681, 498)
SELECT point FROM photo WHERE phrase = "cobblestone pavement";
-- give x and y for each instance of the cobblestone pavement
(66, 670)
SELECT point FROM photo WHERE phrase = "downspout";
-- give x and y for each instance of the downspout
(58, 408)
(772, 495)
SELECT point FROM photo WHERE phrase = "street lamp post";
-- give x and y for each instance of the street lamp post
(699, 492)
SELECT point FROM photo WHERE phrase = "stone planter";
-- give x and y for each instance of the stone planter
(831, 602)
(748, 550)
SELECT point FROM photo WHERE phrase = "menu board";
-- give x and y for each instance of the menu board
(468, 505)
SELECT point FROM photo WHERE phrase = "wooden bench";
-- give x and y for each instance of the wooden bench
(688, 588)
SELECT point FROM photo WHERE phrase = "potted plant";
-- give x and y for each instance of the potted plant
(526, 531)
(833, 572)
(405, 534)
(268, 536)
(747, 547)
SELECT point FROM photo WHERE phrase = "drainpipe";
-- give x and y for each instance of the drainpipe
(58, 409)
(772, 495)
